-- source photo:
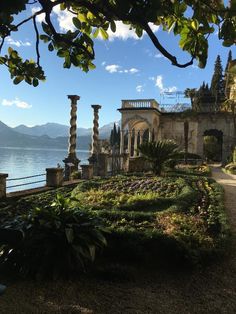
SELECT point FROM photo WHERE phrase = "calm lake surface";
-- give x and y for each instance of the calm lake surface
(23, 162)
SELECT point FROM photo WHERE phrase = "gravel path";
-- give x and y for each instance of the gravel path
(211, 290)
(228, 181)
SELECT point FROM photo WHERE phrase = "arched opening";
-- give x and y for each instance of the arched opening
(212, 145)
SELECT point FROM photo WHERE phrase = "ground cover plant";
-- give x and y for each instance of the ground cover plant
(181, 218)
(146, 218)
(50, 241)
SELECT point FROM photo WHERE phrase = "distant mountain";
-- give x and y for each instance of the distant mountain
(50, 135)
(53, 130)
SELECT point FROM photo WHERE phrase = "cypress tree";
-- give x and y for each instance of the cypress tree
(217, 83)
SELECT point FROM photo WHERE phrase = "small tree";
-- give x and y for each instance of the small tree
(190, 93)
(157, 153)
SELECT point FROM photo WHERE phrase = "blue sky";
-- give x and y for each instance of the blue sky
(127, 68)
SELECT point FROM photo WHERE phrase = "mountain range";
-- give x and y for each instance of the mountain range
(49, 135)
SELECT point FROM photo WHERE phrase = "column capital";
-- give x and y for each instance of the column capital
(73, 98)
(96, 107)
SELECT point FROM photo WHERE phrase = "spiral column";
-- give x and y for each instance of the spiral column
(93, 159)
(95, 134)
(71, 161)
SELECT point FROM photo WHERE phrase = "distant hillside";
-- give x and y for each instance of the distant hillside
(50, 135)
(53, 130)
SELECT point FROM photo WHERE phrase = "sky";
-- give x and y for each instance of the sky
(126, 68)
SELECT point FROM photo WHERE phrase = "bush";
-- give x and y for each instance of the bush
(231, 168)
(56, 240)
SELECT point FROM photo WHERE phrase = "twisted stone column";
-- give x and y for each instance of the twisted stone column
(93, 159)
(71, 162)
(95, 135)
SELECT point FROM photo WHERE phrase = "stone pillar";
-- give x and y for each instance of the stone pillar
(95, 134)
(71, 161)
(93, 159)
(54, 177)
(135, 143)
(87, 172)
(3, 188)
(140, 140)
(149, 135)
(102, 165)
(121, 142)
(129, 143)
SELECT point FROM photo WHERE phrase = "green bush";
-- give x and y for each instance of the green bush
(231, 168)
(57, 240)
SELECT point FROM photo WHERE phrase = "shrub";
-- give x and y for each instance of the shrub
(231, 168)
(57, 240)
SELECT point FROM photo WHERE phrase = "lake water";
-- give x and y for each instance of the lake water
(23, 162)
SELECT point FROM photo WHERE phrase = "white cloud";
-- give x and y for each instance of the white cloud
(112, 68)
(151, 78)
(103, 63)
(64, 19)
(125, 32)
(133, 70)
(159, 55)
(160, 85)
(139, 88)
(41, 17)
(17, 102)
(17, 43)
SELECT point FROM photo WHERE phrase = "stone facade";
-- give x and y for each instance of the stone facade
(144, 120)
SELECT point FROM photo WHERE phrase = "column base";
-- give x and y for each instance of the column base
(71, 165)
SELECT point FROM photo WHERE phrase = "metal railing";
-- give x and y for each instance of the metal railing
(25, 178)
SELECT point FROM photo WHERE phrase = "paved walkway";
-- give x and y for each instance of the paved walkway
(228, 181)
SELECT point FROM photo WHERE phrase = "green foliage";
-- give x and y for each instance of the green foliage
(176, 218)
(57, 240)
(192, 21)
(231, 168)
(217, 83)
(115, 137)
(157, 153)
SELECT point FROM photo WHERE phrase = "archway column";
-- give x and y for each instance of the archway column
(135, 143)
(122, 142)
(129, 142)
(149, 135)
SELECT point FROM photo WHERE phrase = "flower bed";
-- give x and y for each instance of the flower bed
(172, 217)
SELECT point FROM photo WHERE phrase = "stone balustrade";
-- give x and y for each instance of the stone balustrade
(140, 103)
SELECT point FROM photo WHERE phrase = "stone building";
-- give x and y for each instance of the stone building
(143, 119)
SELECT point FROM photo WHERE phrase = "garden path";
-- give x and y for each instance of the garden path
(228, 181)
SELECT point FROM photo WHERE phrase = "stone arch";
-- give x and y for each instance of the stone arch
(213, 144)
(136, 119)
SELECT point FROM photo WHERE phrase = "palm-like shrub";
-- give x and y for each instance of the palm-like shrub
(56, 240)
(157, 153)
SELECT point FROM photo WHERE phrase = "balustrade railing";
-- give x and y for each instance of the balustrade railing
(140, 103)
